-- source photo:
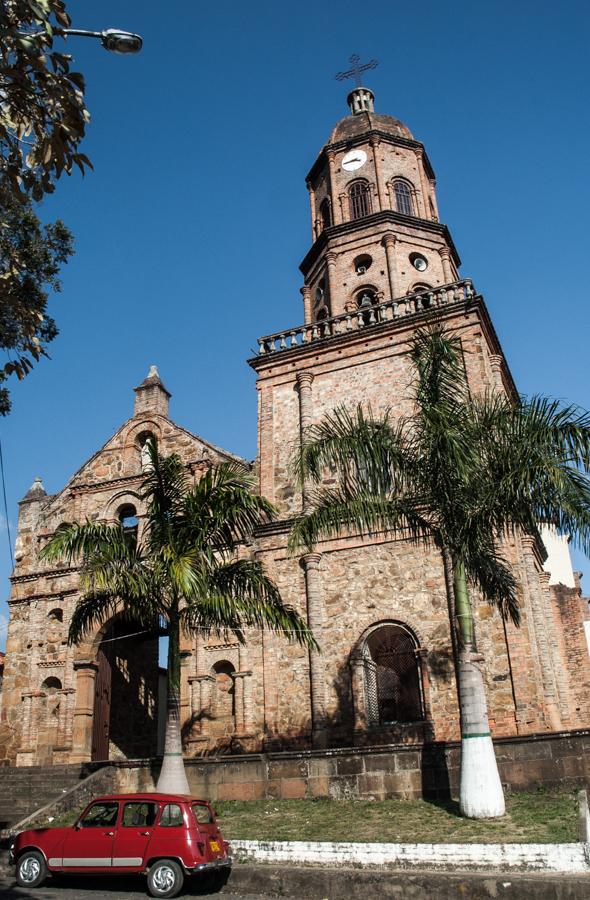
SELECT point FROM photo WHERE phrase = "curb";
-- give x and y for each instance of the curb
(568, 859)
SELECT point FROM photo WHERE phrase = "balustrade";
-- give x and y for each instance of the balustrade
(367, 317)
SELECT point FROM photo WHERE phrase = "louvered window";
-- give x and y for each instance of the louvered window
(360, 199)
(403, 198)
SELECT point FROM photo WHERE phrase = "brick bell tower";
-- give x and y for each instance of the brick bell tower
(381, 265)
(376, 232)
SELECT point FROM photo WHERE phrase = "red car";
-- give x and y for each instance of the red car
(166, 836)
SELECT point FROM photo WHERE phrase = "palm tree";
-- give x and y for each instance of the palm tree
(185, 573)
(460, 473)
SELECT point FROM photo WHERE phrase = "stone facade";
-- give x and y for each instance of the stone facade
(380, 264)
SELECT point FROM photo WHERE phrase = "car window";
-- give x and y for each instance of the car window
(203, 814)
(171, 816)
(100, 815)
(137, 815)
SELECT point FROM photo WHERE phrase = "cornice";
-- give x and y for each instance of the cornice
(384, 217)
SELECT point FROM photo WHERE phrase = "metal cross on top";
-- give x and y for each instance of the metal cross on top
(357, 69)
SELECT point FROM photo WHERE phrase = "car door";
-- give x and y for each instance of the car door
(89, 844)
(134, 834)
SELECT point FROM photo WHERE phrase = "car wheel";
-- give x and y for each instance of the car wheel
(31, 869)
(165, 878)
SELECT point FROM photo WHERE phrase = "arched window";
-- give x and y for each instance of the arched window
(325, 213)
(403, 197)
(225, 701)
(392, 676)
(424, 301)
(51, 685)
(359, 199)
(56, 615)
(129, 522)
(366, 301)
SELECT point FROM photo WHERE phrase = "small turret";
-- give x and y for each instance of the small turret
(151, 396)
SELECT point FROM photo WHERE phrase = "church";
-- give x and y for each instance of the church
(381, 263)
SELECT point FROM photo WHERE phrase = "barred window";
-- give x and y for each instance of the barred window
(360, 199)
(403, 198)
(395, 676)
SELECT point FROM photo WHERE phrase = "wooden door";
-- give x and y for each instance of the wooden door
(102, 703)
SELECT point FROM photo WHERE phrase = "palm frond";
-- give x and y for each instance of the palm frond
(240, 594)
(73, 541)
(223, 509)
(344, 510)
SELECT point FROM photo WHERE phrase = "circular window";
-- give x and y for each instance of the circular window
(362, 263)
(419, 262)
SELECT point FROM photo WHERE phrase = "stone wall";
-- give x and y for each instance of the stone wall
(407, 772)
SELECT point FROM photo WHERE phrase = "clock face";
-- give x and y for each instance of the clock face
(353, 160)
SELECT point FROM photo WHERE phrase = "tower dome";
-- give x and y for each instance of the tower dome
(359, 123)
(363, 118)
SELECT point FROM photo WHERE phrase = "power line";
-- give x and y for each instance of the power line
(6, 507)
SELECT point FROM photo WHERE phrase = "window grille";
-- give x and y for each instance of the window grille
(360, 199)
(403, 198)
(392, 677)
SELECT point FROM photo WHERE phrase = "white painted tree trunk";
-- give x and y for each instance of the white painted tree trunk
(172, 778)
(481, 795)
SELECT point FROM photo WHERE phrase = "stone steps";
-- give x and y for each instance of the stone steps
(24, 790)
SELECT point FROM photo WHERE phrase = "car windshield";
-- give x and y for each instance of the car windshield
(100, 815)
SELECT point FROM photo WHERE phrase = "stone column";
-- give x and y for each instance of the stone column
(201, 700)
(304, 381)
(331, 272)
(496, 367)
(61, 741)
(317, 671)
(26, 722)
(359, 698)
(313, 210)
(389, 242)
(422, 659)
(539, 618)
(248, 704)
(185, 690)
(243, 721)
(560, 674)
(84, 711)
(336, 211)
(445, 255)
(423, 184)
(306, 294)
(377, 162)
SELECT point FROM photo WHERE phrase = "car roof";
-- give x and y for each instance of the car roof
(159, 798)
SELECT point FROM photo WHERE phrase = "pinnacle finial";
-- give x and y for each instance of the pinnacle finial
(153, 372)
(36, 489)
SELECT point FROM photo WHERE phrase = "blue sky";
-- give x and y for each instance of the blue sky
(190, 231)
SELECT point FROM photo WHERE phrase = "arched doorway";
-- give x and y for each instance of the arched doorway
(125, 720)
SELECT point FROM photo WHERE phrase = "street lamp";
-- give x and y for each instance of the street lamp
(111, 39)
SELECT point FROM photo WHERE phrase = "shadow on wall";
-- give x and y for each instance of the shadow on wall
(432, 764)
